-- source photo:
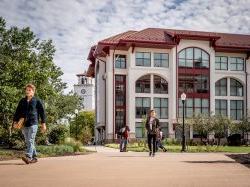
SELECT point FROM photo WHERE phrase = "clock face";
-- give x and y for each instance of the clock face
(83, 91)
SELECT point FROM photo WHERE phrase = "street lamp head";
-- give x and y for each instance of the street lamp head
(183, 96)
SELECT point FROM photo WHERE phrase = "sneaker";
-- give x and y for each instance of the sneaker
(150, 153)
(165, 150)
(153, 154)
(26, 159)
(34, 160)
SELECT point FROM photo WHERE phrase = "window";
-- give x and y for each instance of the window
(143, 84)
(161, 60)
(236, 88)
(161, 107)
(142, 106)
(193, 57)
(236, 63)
(221, 87)
(120, 61)
(139, 130)
(120, 102)
(194, 106)
(221, 63)
(236, 109)
(160, 85)
(193, 83)
(143, 59)
(221, 107)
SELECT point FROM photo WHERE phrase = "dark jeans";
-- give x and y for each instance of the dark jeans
(152, 140)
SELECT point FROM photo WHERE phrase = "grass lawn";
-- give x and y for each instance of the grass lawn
(43, 151)
(192, 149)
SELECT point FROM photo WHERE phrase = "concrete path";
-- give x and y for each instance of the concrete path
(101, 149)
(115, 169)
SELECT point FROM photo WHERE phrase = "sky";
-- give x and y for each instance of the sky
(76, 25)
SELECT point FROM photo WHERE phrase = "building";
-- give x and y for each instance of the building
(85, 88)
(139, 70)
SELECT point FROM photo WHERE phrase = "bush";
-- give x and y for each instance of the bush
(76, 145)
(86, 135)
(58, 134)
(55, 150)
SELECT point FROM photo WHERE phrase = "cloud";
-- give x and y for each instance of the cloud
(76, 25)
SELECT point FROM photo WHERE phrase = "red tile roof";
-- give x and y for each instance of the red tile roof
(168, 38)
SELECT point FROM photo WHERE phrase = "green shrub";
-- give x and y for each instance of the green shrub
(58, 134)
(76, 145)
(54, 150)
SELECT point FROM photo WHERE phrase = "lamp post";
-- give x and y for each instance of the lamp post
(76, 131)
(183, 98)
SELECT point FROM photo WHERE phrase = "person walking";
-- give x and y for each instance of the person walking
(152, 126)
(26, 118)
(124, 135)
(159, 141)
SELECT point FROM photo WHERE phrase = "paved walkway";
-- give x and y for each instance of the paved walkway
(115, 169)
(101, 149)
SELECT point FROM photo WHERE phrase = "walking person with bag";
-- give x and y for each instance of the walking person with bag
(124, 135)
(152, 126)
(26, 118)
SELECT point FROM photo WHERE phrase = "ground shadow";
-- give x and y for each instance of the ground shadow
(9, 164)
(210, 162)
(127, 156)
(241, 158)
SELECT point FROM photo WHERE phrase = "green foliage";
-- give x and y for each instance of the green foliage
(25, 59)
(77, 146)
(55, 150)
(58, 134)
(82, 126)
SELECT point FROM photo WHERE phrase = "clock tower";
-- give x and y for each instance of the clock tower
(85, 88)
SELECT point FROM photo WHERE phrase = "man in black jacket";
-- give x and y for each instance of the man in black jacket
(152, 126)
(30, 108)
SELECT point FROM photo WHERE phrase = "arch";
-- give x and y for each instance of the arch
(193, 57)
(160, 85)
(236, 87)
(142, 84)
(221, 87)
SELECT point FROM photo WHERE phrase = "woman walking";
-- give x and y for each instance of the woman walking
(152, 126)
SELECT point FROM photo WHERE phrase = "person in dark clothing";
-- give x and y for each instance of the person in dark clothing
(159, 141)
(30, 108)
(124, 135)
(152, 126)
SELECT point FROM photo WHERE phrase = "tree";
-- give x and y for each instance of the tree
(25, 59)
(221, 125)
(202, 124)
(82, 126)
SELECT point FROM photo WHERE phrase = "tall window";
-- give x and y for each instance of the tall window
(236, 63)
(236, 88)
(142, 106)
(221, 63)
(139, 130)
(236, 109)
(221, 87)
(221, 107)
(120, 61)
(120, 102)
(143, 84)
(194, 83)
(143, 59)
(160, 85)
(194, 106)
(193, 57)
(161, 107)
(161, 60)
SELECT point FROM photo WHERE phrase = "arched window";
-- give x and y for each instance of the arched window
(193, 57)
(221, 87)
(143, 84)
(236, 88)
(160, 85)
